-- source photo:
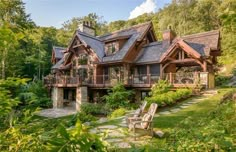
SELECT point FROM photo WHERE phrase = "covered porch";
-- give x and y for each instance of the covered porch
(184, 66)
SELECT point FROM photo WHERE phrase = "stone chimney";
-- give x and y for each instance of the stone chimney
(87, 27)
(168, 36)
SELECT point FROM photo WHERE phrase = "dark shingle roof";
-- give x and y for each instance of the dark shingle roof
(58, 64)
(122, 52)
(202, 42)
(96, 44)
(151, 53)
(135, 33)
(140, 28)
(58, 51)
(198, 47)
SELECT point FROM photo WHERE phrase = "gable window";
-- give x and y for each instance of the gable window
(111, 48)
(83, 59)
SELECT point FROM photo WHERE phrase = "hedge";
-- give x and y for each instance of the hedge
(169, 97)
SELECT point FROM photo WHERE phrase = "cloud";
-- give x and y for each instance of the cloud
(146, 7)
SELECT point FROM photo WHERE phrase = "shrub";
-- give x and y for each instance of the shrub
(118, 97)
(76, 139)
(162, 86)
(169, 98)
(95, 109)
(82, 117)
(221, 80)
(118, 113)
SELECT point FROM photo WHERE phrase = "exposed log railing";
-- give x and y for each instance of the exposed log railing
(101, 80)
(62, 80)
(186, 79)
(144, 79)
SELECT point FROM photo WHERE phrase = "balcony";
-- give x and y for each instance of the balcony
(189, 79)
(62, 81)
(131, 81)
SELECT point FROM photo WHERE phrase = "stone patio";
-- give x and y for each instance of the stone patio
(56, 113)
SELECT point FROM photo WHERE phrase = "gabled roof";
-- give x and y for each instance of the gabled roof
(134, 33)
(177, 44)
(58, 51)
(200, 44)
(203, 42)
(93, 42)
(151, 53)
(119, 55)
(58, 64)
(140, 28)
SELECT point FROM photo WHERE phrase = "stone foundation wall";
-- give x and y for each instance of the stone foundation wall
(57, 97)
(81, 96)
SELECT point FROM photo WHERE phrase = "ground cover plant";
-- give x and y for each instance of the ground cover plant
(162, 95)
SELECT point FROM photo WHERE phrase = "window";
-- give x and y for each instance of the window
(65, 94)
(83, 59)
(111, 48)
(155, 69)
(144, 94)
(142, 70)
(82, 73)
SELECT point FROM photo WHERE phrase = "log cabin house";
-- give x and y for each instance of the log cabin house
(92, 64)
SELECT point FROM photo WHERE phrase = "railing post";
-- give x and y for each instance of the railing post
(149, 79)
(171, 78)
(132, 79)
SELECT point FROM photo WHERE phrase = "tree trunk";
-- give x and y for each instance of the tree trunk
(3, 69)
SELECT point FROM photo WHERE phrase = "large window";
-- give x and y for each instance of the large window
(155, 69)
(142, 70)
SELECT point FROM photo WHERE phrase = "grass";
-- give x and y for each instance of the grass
(197, 110)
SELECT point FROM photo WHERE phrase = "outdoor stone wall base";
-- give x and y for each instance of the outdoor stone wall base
(81, 96)
(57, 97)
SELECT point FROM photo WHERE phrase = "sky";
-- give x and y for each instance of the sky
(56, 12)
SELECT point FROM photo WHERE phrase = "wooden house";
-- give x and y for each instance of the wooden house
(92, 64)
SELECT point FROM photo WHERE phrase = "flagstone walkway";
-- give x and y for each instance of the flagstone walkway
(56, 113)
(119, 136)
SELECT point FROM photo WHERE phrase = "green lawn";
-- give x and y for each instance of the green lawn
(198, 110)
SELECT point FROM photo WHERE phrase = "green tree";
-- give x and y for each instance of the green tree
(118, 96)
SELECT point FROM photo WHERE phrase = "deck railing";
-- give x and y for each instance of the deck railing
(62, 80)
(144, 79)
(187, 78)
(177, 79)
(102, 80)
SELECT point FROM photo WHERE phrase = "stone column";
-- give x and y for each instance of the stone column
(57, 97)
(81, 96)
(126, 73)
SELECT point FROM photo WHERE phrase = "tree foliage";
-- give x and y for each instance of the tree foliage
(118, 96)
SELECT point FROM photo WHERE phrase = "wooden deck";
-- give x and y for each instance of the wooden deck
(139, 81)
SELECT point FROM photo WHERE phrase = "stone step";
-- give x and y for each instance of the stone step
(210, 92)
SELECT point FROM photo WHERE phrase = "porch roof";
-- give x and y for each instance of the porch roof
(203, 42)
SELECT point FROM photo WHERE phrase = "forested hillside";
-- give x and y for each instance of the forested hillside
(26, 48)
